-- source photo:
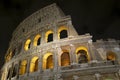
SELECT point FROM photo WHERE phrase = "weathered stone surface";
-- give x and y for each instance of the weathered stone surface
(59, 58)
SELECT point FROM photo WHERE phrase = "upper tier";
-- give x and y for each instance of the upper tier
(42, 18)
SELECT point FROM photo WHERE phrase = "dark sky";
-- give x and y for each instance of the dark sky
(100, 18)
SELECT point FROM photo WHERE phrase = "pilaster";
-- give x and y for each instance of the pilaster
(97, 75)
(91, 51)
(72, 54)
(40, 62)
(28, 66)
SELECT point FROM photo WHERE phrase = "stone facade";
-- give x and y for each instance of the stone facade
(45, 46)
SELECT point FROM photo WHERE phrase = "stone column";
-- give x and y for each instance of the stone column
(18, 67)
(31, 43)
(28, 66)
(91, 51)
(97, 75)
(73, 54)
(117, 51)
(55, 58)
(4, 74)
(75, 77)
(57, 51)
(55, 30)
(119, 73)
(40, 62)
(11, 71)
(43, 38)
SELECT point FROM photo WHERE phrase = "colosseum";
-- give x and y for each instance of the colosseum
(46, 46)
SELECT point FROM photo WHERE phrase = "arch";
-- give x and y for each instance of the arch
(65, 58)
(37, 40)
(111, 56)
(62, 30)
(48, 61)
(8, 74)
(63, 34)
(23, 67)
(34, 64)
(82, 54)
(49, 36)
(14, 73)
(27, 44)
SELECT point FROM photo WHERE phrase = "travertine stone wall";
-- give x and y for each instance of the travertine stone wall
(52, 18)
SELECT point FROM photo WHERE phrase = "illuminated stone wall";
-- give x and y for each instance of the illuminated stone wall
(45, 46)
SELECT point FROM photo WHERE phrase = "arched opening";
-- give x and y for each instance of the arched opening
(14, 72)
(111, 56)
(37, 40)
(27, 44)
(8, 75)
(23, 67)
(34, 64)
(48, 61)
(49, 36)
(49, 64)
(65, 59)
(82, 55)
(62, 32)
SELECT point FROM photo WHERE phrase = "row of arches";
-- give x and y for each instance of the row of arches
(82, 56)
(48, 60)
(62, 33)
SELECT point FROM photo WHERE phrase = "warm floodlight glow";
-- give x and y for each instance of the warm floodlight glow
(48, 61)
(111, 55)
(61, 29)
(82, 48)
(47, 35)
(65, 59)
(34, 64)
(23, 66)
(36, 40)
(27, 44)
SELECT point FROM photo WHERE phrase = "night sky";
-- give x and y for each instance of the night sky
(100, 18)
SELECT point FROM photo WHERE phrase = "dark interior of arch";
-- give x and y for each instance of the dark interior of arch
(50, 37)
(8, 75)
(63, 34)
(36, 65)
(82, 56)
(29, 45)
(14, 72)
(39, 41)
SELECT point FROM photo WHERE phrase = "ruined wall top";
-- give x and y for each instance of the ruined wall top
(42, 17)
